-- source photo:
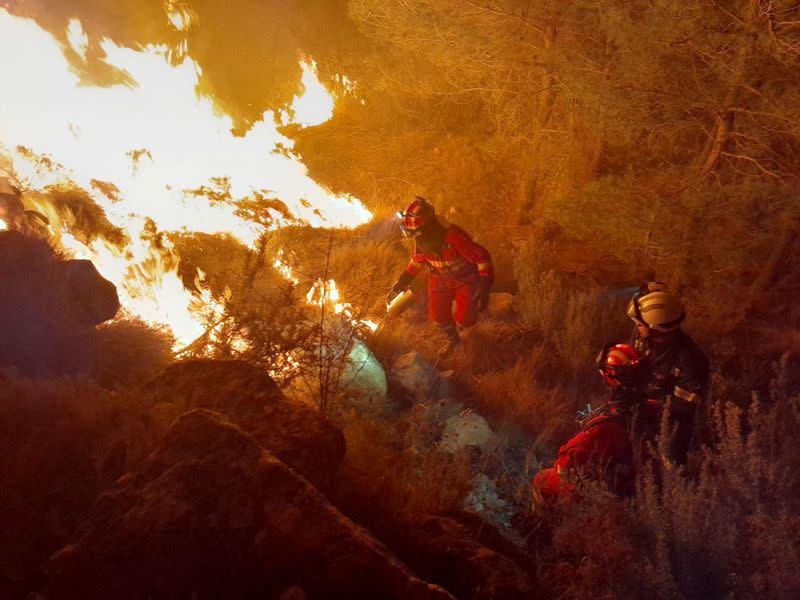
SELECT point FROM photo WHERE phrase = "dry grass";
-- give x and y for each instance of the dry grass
(516, 395)
(128, 351)
(385, 471)
(61, 442)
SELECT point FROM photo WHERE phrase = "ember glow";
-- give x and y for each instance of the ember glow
(324, 294)
(327, 293)
(153, 141)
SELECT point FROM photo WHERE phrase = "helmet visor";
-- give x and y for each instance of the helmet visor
(410, 224)
(634, 311)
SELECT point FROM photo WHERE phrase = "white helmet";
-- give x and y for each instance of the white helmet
(657, 310)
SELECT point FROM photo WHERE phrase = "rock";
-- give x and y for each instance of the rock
(418, 377)
(501, 305)
(94, 299)
(363, 384)
(465, 556)
(465, 429)
(211, 514)
(48, 307)
(485, 500)
(291, 430)
(365, 380)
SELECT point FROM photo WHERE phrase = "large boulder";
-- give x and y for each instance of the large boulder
(48, 306)
(213, 514)
(464, 555)
(291, 430)
(360, 384)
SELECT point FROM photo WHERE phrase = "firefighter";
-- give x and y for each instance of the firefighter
(602, 447)
(459, 270)
(679, 368)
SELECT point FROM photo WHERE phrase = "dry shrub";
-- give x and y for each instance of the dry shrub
(365, 270)
(406, 332)
(594, 551)
(128, 351)
(576, 321)
(521, 395)
(387, 473)
(730, 528)
(61, 442)
(492, 345)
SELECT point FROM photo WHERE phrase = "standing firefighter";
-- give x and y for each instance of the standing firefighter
(602, 449)
(460, 271)
(679, 368)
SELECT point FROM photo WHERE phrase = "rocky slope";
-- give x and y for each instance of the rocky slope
(212, 513)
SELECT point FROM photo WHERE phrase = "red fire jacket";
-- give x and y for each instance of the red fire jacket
(603, 443)
(459, 258)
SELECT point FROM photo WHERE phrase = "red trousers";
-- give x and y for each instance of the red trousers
(443, 291)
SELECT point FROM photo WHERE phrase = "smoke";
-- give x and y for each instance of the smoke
(248, 50)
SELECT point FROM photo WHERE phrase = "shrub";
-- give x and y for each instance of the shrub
(730, 528)
(576, 321)
(128, 351)
(386, 471)
(61, 441)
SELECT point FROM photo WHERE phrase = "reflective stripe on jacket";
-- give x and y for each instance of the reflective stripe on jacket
(459, 258)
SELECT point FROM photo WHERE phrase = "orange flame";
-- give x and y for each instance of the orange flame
(154, 142)
(324, 293)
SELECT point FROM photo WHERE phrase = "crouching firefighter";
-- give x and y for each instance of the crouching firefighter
(604, 448)
(460, 271)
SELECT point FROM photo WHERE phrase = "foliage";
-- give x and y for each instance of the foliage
(663, 134)
(63, 440)
(128, 351)
(397, 475)
(729, 527)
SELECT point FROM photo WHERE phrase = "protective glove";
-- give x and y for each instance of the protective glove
(481, 294)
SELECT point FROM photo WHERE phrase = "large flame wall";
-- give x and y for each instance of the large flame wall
(154, 139)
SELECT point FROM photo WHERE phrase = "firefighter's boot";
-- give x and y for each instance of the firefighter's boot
(452, 339)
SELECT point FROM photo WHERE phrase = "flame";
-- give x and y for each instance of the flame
(77, 38)
(181, 17)
(154, 141)
(3, 225)
(285, 270)
(324, 293)
(315, 105)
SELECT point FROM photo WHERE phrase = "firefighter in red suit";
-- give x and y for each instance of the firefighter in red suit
(459, 270)
(602, 449)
